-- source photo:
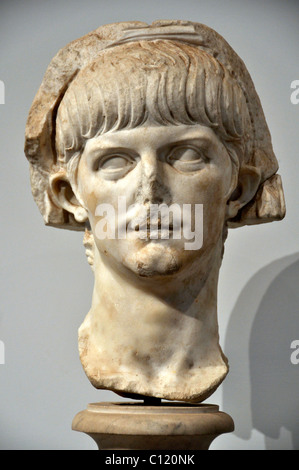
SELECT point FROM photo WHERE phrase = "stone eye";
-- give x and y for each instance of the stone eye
(114, 166)
(115, 162)
(185, 158)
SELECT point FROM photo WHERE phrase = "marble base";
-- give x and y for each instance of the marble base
(161, 426)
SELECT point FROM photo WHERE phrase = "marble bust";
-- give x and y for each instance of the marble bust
(152, 115)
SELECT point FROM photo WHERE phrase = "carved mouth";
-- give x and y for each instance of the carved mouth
(157, 226)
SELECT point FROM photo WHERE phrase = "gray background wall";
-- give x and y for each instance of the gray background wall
(46, 283)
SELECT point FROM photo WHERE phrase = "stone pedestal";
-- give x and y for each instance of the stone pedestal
(165, 426)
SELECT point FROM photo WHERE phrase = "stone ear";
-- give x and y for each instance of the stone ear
(268, 205)
(248, 183)
(63, 196)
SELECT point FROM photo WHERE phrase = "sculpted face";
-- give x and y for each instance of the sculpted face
(157, 165)
(167, 133)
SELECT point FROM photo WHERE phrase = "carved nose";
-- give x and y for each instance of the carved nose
(151, 188)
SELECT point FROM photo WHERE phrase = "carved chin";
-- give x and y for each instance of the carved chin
(154, 260)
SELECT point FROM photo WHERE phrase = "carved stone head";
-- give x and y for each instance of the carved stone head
(133, 123)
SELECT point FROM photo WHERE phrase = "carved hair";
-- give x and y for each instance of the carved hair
(161, 82)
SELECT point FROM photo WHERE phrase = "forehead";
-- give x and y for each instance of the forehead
(153, 136)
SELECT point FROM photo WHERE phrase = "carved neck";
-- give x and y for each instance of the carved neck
(160, 336)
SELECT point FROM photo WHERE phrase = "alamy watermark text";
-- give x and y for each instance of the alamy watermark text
(154, 222)
(295, 354)
(295, 93)
(2, 92)
(2, 353)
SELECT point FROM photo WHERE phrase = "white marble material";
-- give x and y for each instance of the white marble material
(160, 114)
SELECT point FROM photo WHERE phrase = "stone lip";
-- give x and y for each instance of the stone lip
(129, 426)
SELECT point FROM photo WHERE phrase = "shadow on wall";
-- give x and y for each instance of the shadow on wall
(262, 389)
